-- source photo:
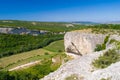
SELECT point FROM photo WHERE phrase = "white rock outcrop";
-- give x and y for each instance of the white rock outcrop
(85, 43)
(5, 30)
(82, 43)
(82, 66)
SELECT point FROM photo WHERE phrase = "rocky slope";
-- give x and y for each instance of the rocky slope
(22, 31)
(5, 30)
(82, 45)
(84, 70)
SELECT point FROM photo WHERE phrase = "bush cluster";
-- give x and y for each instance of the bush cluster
(100, 47)
(32, 73)
(106, 59)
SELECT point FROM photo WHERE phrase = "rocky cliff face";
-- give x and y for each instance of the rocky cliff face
(81, 68)
(5, 30)
(82, 43)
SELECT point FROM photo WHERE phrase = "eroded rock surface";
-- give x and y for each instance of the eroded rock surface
(82, 43)
(85, 43)
(82, 67)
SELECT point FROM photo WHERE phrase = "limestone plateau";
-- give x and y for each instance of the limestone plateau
(80, 46)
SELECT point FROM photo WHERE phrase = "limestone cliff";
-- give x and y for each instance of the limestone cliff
(5, 30)
(82, 68)
(84, 44)
(81, 43)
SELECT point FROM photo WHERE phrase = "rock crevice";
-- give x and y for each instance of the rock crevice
(82, 43)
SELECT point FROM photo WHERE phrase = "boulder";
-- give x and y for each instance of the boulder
(82, 43)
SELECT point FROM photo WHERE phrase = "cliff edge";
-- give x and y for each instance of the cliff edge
(82, 45)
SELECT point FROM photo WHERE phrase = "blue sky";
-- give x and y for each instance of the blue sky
(60, 10)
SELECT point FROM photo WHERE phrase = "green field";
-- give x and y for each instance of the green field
(38, 54)
(14, 44)
(38, 71)
(57, 46)
(21, 58)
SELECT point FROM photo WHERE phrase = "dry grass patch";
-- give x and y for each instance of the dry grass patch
(23, 56)
(89, 30)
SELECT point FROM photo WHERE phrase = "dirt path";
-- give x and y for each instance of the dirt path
(25, 65)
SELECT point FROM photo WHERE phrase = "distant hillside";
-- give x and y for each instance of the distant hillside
(93, 23)
(112, 22)
(85, 22)
(35, 25)
(54, 26)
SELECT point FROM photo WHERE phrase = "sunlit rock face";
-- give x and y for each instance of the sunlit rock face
(5, 30)
(83, 69)
(82, 43)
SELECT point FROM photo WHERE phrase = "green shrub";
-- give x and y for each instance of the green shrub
(100, 47)
(105, 79)
(106, 59)
(46, 53)
(117, 43)
(112, 41)
(106, 39)
(72, 77)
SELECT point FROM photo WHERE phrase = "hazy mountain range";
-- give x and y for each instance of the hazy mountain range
(92, 23)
